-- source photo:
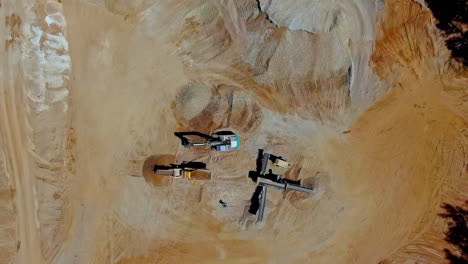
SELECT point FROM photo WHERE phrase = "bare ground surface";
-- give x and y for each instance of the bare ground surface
(361, 96)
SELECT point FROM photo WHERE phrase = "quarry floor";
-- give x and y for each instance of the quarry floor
(361, 96)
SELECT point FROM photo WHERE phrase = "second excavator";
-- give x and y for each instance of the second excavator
(218, 141)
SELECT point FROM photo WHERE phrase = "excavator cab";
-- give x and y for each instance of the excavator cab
(227, 139)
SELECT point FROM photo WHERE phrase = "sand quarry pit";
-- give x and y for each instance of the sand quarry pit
(366, 98)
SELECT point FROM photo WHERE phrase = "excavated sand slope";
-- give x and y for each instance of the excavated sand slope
(360, 95)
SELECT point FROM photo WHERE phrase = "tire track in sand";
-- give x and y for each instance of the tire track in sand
(13, 135)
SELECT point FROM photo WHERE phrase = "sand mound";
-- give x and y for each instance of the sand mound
(212, 114)
(192, 99)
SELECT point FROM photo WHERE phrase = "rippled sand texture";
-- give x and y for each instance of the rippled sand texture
(360, 95)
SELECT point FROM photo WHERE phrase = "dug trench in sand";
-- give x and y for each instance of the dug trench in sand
(362, 97)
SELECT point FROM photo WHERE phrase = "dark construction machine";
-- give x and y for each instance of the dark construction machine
(218, 141)
(265, 180)
(186, 170)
